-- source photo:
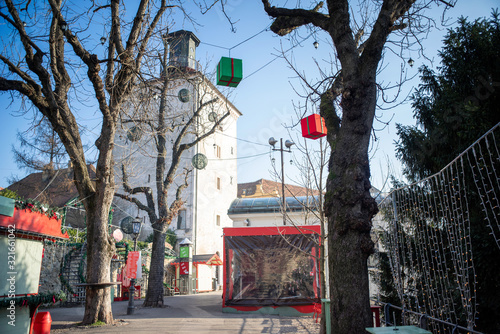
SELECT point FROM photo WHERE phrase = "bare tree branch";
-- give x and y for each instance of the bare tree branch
(288, 20)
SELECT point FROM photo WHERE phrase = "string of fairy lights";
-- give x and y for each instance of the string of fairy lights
(485, 169)
(430, 249)
(429, 235)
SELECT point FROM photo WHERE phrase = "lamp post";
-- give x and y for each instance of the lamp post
(136, 230)
(288, 145)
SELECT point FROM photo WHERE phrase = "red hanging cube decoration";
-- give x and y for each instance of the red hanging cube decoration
(313, 126)
(229, 72)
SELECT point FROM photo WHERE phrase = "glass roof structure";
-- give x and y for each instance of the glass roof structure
(272, 204)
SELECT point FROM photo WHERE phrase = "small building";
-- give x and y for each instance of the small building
(23, 233)
(259, 204)
(204, 273)
(271, 270)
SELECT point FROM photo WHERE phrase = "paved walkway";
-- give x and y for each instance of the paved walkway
(198, 314)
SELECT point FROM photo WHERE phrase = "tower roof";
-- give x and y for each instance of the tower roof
(182, 33)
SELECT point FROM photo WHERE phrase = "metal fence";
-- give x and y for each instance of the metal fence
(395, 315)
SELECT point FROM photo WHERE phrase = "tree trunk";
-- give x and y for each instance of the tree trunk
(100, 248)
(322, 274)
(154, 295)
(350, 208)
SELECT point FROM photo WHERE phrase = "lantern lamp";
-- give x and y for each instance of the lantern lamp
(136, 225)
(316, 44)
(411, 62)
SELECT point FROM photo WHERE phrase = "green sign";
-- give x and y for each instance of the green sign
(184, 252)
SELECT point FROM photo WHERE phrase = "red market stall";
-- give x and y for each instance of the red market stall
(271, 270)
(22, 235)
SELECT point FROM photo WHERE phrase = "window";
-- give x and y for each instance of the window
(217, 220)
(181, 220)
(217, 151)
(218, 183)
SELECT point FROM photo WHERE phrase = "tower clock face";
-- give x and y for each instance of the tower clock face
(184, 95)
(199, 161)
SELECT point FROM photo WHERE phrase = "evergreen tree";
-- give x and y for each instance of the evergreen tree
(456, 106)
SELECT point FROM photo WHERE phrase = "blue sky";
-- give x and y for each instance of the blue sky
(267, 95)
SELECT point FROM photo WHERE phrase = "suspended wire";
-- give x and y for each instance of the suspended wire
(276, 57)
(246, 40)
(215, 46)
(240, 158)
(238, 44)
(244, 140)
(260, 68)
(53, 178)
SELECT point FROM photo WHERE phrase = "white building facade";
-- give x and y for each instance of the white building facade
(211, 188)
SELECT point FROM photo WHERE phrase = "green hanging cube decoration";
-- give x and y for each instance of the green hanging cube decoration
(229, 72)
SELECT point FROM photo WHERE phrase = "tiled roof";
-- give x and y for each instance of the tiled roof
(53, 187)
(267, 188)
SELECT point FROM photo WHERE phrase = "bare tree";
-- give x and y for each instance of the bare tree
(312, 174)
(49, 63)
(168, 132)
(39, 147)
(360, 33)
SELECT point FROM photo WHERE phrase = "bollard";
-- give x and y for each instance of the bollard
(43, 322)
(326, 309)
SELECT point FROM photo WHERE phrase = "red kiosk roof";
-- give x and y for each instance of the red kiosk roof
(271, 230)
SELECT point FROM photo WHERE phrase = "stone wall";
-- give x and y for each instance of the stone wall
(51, 268)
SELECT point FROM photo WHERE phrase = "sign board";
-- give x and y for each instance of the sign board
(184, 252)
(20, 269)
(134, 268)
(184, 268)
